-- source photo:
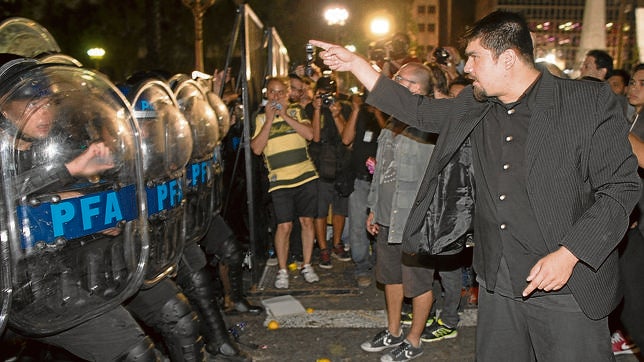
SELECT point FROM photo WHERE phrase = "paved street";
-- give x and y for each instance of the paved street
(329, 332)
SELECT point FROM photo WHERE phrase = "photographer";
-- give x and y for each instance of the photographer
(398, 54)
(449, 60)
(328, 117)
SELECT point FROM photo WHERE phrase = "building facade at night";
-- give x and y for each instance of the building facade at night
(440, 23)
(557, 25)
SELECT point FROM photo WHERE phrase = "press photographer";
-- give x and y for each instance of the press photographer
(398, 54)
(328, 116)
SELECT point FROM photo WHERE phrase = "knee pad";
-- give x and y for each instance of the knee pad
(179, 326)
(177, 317)
(230, 252)
(143, 351)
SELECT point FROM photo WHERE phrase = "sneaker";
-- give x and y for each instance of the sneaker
(364, 281)
(406, 318)
(621, 344)
(437, 332)
(309, 274)
(404, 352)
(325, 260)
(382, 341)
(281, 281)
(340, 254)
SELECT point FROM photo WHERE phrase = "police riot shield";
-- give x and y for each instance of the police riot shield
(5, 268)
(166, 146)
(223, 115)
(200, 172)
(71, 172)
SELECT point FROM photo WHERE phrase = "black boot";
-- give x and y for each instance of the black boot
(198, 288)
(230, 268)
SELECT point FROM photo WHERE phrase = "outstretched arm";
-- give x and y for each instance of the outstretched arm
(340, 59)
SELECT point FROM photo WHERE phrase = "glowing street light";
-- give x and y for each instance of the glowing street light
(96, 54)
(380, 26)
(336, 16)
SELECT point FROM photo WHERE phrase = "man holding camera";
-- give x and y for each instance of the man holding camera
(398, 54)
(328, 117)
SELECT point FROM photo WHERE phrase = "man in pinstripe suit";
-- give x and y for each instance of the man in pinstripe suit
(555, 183)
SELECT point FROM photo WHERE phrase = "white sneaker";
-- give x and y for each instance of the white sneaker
(281, 280)
(309, 274)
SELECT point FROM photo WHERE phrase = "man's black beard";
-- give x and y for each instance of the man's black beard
(479, 94)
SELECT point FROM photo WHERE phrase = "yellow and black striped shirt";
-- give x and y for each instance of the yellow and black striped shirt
(285, 154)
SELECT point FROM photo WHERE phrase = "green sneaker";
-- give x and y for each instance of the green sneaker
(437, 332)
(406, 318)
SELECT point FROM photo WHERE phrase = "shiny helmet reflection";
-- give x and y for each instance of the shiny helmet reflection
(202, 170)
(166, 144)
(25, 37)
(71, 174)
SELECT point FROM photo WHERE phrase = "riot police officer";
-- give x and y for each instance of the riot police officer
(202, 196)
(166, 130)
(66, 293)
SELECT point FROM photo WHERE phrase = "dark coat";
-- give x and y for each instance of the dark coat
(581, 175)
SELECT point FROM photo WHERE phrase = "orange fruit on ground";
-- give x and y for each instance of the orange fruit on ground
(272, 325)
(309, 310)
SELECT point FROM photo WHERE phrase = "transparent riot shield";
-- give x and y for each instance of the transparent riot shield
(223, 118)
(71, 173)
(200, 172)
(5, 268)
(223, 115)
(167, 144)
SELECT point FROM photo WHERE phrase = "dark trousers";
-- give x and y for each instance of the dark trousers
(631, 264)
(549, 328)
(104, 338)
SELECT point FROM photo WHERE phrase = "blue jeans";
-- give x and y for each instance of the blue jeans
(359, 238)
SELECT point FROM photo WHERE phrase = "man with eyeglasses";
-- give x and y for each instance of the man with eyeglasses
(282, 133)
(403, 153)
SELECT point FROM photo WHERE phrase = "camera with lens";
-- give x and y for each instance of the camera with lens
(310, 57)
(327, 99)
(326, 88)
(442, 56)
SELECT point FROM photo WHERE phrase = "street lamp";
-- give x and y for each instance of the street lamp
(380, 26)
(96, 54)
(336, 16)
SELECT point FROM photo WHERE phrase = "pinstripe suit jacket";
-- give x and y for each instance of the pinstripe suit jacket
(581, 175)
